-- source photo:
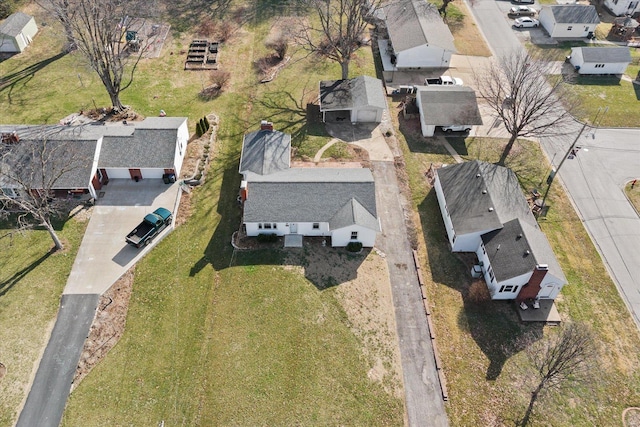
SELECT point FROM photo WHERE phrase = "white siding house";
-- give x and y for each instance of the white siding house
(446, 105)
(569, 20)
(600, 60)
(485, 212)
(418, 37)
(17, 32)
(622, 7)
(360, 100)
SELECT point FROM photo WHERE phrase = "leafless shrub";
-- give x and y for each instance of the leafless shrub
(279, 45)
(218, 80)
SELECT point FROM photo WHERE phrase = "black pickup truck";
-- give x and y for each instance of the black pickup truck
(151, 225)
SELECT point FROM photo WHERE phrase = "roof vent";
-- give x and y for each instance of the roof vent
(478, 175)
(519, 236)
(484, 191)
(527, 252)
(490, 209)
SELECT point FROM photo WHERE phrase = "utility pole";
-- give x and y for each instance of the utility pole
(554, 172)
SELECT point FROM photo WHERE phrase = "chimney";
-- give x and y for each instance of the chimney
(265, 125)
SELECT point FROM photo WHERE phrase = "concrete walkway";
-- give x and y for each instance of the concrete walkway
(102, 258)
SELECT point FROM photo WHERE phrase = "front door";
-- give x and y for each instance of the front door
(293, 228)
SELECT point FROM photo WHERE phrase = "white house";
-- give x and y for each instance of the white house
(600, 60)
(485, 212)
(17, 32)
(446, 105)
(339, 203)
(151, 148)
(622, 7)
(418, 37)
(360, 100)
(569, 20)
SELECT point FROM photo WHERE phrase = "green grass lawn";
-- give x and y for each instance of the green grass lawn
(31, 281)
(484, 374)
(633, 194)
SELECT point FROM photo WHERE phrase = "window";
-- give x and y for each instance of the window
(491, 275)
(275, 226)
(316, 225)
(484, 251)
(508, 288)
(599, 66)
(454, 238)
(569, 28)
(267, 226)
(354, 235)
(260, 226)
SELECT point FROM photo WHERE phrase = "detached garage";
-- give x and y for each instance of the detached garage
(600, 60)
(17, 32)
(359, 100)
(446, 106)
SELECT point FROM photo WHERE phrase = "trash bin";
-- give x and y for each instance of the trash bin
(169, 178)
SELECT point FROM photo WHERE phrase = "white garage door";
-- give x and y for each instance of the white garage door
(367, 116)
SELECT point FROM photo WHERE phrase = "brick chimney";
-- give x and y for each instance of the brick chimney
(531, 289)
(265, 125)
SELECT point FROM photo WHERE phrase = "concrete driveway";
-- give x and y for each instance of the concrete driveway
(102, 258)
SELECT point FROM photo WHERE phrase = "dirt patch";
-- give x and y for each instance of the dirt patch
(107, 328)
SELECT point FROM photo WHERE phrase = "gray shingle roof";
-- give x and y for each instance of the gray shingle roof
(606, 54)
(311, 195)
(413, 23)
(359, 92)
(147, 144)
(68, 163)
(265, 152)
(575, 14)
(470, 190)
(14, 24)
(452, 105)
(354, 213)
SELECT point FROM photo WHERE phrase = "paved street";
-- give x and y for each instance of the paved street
(423, 397)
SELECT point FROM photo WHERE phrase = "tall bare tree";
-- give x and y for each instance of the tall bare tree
(108, 34)
(340, 30)
(566, 356)
(516, 88)
(34, 162)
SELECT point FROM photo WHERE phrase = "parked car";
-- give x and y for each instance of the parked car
(151, 225)
(522, 11)
(524, 1)
(526, 23)
(456, 128)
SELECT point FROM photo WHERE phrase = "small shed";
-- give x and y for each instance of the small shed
(446, 106)
(359, 100)
(17, 32)
(569, 20)
(600, 60)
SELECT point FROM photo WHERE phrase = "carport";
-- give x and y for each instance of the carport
(359, 100)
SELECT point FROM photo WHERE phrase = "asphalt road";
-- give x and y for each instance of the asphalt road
(594, 179)
(423, 397)
(50, 389)
(496, 29)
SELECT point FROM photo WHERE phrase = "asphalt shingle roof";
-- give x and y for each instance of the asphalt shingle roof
(312, 195)
(606, 54)
(575, 14)
(413, 23)
(451, 105)
(265, 152)
(359, 92)
(482, 196)
(14, 24)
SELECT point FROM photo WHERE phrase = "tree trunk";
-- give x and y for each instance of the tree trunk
(443, 9)
(507, 149)
(54, 236)
(345, 69)
(115, 102)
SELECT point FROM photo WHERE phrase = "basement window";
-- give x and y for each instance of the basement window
(316, 225)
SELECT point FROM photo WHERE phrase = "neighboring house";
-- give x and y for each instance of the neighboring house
(600, 60)
(622, 7)
(26, 165)
(569, 20)
(339, 203)
(418, 37)
(148, 149)
(359, 100)
(446, 105)
(485, 211)
(17, 32)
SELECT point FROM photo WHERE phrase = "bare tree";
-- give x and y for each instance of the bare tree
(518, 92)
(340, 30)
(566, 356)
(107, 33)
(32, 168)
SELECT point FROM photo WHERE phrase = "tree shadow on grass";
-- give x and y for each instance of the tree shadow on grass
(10, 81)
(410, 129)
(636, 87)
(6, 285)
(493, 325)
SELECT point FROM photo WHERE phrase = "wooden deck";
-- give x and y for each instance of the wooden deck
(547, 313)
